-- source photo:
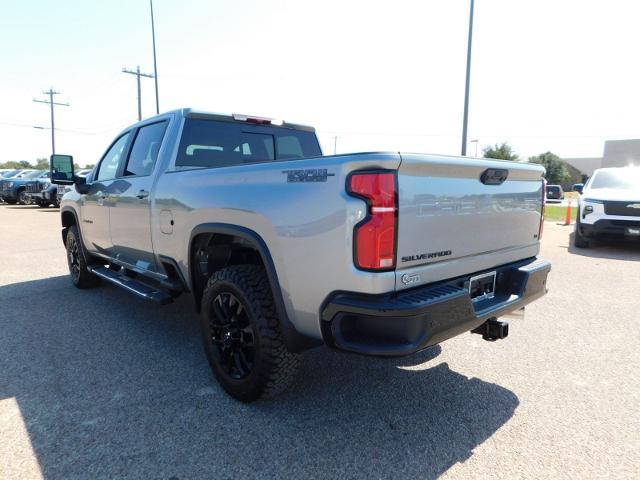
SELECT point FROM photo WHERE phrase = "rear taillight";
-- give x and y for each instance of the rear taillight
(544, 204)
(375, 236)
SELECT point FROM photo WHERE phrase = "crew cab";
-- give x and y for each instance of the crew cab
(609, 206)
(284, 249)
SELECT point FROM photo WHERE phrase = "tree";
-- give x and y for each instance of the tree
(501, 152)
(557, 171)
(25, 164)
(42, 164)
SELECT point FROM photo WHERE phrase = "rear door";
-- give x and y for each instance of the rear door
(95, 208)
(130, 210)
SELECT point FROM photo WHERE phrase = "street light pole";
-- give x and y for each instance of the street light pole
(155, 65)
(468, 79)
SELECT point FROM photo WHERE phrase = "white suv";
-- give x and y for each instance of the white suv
(609, 206)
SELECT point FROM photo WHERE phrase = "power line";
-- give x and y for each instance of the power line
(138, 74)
(51, 103)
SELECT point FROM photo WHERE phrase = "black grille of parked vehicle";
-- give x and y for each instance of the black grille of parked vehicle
(624, 223)
(625, 209)
(34, 187)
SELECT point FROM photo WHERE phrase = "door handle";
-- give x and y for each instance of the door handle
(142, 194)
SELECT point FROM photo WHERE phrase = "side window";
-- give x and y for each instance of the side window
(144, 152)
(109, 165)
(289, 147)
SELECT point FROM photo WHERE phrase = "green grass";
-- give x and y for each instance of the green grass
(558, 213)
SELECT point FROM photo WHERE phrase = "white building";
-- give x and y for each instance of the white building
(617, 153)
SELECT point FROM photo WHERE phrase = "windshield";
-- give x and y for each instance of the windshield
(35, 174)
(10, 174)
(623, 179)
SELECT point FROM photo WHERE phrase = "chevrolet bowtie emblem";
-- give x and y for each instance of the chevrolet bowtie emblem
(634, 205)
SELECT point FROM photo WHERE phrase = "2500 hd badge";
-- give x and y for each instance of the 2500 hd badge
(426, 256)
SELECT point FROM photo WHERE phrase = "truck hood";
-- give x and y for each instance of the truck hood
(612, 194)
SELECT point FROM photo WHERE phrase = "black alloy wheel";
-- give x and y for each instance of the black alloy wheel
(232, 336)
(73, 258)
(23, 198)
(242, 334)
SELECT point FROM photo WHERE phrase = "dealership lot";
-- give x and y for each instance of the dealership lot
(99, 384)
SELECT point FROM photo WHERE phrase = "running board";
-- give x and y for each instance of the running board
(132, 285)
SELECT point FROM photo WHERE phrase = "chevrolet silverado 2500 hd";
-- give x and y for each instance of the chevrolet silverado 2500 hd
(283, 249)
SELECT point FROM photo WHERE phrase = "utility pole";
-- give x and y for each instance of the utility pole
(51, 92)
(466, 88)
(138, 75)
(155, 65)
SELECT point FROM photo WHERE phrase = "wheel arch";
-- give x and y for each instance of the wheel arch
(68, 218)
(295, 341)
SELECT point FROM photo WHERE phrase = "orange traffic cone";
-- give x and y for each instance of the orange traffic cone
(567, 221)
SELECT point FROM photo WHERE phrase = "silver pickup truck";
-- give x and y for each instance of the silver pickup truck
(284, 249)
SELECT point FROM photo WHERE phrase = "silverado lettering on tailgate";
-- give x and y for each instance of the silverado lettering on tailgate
(426, 256)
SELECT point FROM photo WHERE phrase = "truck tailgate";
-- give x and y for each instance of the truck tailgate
(451, 223)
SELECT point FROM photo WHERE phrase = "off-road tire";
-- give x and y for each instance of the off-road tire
(77, 261)
(274, 366)
(578, 240)
(23, 197)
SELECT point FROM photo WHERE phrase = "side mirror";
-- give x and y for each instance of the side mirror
(82, 187)
(578, 187)
(62, 169)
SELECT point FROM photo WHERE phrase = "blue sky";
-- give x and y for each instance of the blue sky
(379, 75)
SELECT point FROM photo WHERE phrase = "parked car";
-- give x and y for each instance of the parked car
(609, 207)
(555, 193)
(62, 189)
(44, 193)
(18, 173)
(283, 249)
(14, 189)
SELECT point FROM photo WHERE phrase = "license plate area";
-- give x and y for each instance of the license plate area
(482, 287)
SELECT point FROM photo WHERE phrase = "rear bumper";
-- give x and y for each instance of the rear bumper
(609, 229)
(397, 324)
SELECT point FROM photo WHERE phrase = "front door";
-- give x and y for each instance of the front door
(130, 211)
(96, 203)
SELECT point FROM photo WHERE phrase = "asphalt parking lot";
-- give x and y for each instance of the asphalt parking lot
(99, 384)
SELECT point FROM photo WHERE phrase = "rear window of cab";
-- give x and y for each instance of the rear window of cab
(214, 144)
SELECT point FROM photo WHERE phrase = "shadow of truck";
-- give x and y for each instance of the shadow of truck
(111, 386)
